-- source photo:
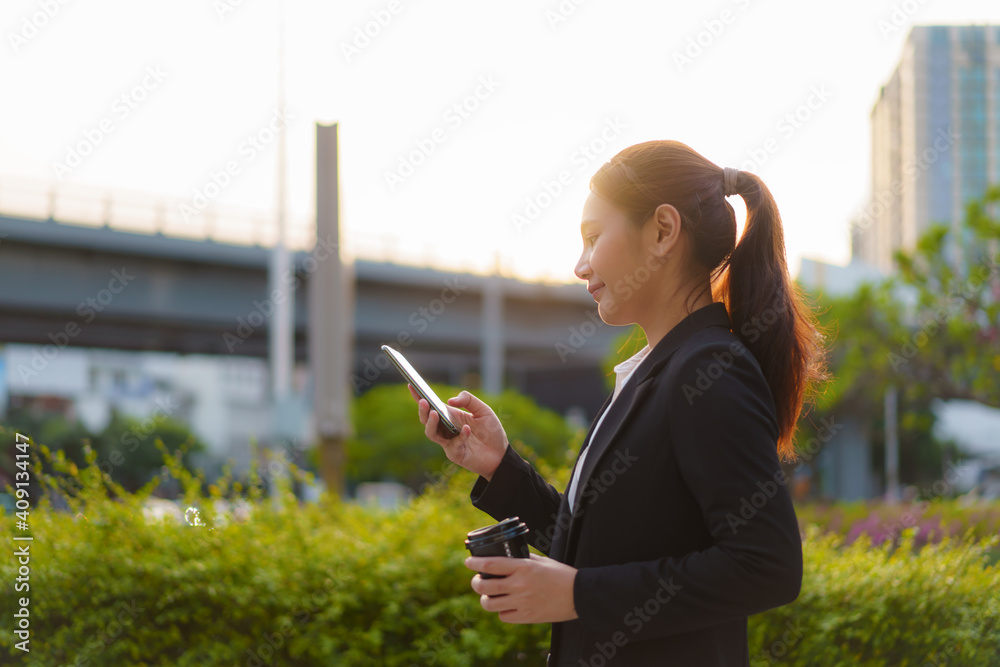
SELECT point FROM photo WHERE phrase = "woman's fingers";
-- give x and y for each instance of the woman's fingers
(493, 565)
(424, 408)
(430, 419)
(454, 447)
(489, 587)
(466, 401)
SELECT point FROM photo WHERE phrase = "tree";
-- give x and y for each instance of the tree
(950, 343)
(126, 450)
(389, 442)
(125, 447)
(932, 331)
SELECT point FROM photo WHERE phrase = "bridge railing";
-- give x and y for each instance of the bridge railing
(73, 204)
(150, 214)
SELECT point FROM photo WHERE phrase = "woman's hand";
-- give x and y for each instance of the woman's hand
(535, 589)
(482, 442)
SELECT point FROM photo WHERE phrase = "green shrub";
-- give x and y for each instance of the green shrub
(340, 584)
(389, 441)
(315, 584)
(864, 606)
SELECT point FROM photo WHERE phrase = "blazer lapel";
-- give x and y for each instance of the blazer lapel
(557, 550)
(628, 401)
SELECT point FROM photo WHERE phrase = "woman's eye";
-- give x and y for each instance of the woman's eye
(590, 239)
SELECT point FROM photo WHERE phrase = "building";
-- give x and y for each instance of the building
(935, 138)
(834, 280)
(223, 400)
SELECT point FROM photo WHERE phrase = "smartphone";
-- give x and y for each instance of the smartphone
(446, 427)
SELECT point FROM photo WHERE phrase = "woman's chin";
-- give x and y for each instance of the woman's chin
(609, 311)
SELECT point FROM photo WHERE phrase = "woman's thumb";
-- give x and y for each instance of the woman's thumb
(466, 400)
(460, 400)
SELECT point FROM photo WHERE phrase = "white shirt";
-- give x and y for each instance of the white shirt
(623, 371)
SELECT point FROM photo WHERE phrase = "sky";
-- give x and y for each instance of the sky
(468, 131)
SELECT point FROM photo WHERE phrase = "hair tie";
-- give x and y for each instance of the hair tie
(729, 176)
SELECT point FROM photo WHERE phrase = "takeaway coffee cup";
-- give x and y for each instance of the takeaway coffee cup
(508, 538)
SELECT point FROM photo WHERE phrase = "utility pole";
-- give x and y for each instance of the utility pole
(331, 319)
(491, 332)
(281, 327)
(891, 446)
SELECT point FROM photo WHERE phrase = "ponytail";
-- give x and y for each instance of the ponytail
(767, 311)
(750, 277)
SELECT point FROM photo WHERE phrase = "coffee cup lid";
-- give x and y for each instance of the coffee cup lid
(498, 532)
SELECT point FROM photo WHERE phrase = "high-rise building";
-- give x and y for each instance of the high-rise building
(935, 138)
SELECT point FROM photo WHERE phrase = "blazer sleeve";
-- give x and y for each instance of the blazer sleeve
(516, 489)
(722, 426)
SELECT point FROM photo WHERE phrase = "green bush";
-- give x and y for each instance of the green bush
(864, 606)
(389, 441)
(314, 584)
(341, 584)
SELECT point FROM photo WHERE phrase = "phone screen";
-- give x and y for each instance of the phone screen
(423, 389)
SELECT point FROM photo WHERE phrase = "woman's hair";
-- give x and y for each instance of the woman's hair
(750, 277)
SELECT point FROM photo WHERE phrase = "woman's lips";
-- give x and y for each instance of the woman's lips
(597, 291)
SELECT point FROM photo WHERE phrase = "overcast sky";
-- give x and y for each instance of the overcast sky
(455, 117)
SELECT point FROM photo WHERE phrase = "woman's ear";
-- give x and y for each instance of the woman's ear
(665, 231)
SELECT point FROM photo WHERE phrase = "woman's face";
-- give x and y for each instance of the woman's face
(615, 262)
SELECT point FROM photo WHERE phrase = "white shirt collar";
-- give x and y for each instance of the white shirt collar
(624, 369)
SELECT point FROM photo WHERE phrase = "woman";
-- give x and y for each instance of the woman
(677, 523)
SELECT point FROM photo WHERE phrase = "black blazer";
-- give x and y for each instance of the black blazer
(683, 523)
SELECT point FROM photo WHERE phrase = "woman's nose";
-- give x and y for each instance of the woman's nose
(582, 268)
